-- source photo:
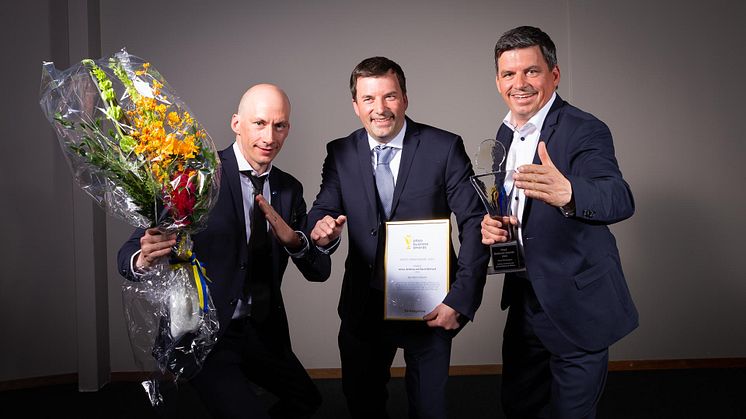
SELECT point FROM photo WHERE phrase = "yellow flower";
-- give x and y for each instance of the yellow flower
(173, 119)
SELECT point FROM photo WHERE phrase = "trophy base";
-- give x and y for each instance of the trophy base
(505, 257)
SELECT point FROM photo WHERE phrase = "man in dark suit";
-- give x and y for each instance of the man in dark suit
(246, 266)
(572, 301)
(430, 170)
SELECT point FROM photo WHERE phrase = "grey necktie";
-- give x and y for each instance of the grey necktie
(384, 178)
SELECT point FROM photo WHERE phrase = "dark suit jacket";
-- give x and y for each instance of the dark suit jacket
(573, 263)
(222, 247)
(432, 182)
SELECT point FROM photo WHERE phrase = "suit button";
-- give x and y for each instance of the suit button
(373, 231)
(234, 302)
(243, 266)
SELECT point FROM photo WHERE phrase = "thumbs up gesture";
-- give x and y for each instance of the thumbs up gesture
(543, 181)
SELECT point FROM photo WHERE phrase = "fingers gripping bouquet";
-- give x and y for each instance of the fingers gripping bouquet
(135, 148)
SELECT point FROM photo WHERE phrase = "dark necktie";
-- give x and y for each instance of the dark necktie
(258, 238)
(258, 284)
(384, 177)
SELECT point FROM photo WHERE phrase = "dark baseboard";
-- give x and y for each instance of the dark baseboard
(676, 364)
(50, 380)
(635, 365)
(455, 370)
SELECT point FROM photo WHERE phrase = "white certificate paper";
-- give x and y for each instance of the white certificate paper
(416, 267)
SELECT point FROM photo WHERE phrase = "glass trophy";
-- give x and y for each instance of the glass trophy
(495, 188)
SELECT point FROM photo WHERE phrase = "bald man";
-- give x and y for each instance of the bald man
(246, 265)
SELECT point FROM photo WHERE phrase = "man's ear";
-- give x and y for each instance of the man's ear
(556, 74)
(235, 120)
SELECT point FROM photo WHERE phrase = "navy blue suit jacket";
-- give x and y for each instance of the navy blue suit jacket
(573, 263)
(432, 182)
(222, 247)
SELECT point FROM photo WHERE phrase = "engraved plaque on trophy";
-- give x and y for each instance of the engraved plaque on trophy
(494, 186)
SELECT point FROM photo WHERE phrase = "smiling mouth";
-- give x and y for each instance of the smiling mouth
(382, 120)
(522, 95)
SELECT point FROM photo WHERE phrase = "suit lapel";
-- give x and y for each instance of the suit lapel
(504, 136)
(550, 124)
(410, 144)
(366, 172)
(230, 172)
(278, 194)
(279, 201)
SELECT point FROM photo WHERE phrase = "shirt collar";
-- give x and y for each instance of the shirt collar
(244, 165)
(536, 121)
(396, 142)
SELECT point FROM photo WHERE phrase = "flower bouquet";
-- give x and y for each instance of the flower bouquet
(134, 147)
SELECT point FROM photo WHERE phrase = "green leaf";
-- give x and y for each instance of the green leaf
(62, 121)
(127, 143)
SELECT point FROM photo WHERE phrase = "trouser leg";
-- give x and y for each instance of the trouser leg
(427, 355)
(366, 363)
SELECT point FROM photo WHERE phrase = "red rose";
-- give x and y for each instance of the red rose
(181, 199)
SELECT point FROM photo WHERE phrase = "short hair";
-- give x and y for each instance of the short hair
(526, 37)
(376, 67)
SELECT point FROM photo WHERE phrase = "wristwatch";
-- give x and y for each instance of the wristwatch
(301, 249)
(303, 239)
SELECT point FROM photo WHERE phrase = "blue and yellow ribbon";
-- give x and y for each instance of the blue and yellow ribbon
(200, 280)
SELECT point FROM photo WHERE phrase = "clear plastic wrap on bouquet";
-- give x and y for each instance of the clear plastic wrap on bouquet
(171, 319)
(135, 148)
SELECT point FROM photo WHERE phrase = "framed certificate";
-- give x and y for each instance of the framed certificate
(416, 267)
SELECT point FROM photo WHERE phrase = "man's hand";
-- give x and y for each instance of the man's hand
(494, 230)
(154, 245)
(281, 230)
(327, 230)
(443, 316)
(543, 181)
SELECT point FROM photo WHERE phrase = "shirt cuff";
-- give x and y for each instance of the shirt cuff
(304, 248)
(331, 247)
(137, 272)
(568, 210)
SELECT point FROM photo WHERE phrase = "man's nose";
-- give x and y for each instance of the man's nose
(269, 134)
(520, 80)
(379, 106)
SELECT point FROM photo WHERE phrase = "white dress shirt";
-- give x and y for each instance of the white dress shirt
(522, 150)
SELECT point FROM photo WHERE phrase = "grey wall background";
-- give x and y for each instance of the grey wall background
(666, 78)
